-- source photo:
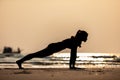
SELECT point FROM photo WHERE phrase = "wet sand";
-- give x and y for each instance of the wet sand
(60, 74)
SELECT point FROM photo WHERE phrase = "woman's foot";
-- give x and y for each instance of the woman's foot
(19, 64)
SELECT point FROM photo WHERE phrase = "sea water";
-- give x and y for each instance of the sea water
(61, 60)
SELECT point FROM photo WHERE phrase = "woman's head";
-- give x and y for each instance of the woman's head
(81, 35)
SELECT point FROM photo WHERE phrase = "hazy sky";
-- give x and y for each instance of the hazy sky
(33, 24)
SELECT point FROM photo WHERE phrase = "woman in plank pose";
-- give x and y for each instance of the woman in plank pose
(71, 43)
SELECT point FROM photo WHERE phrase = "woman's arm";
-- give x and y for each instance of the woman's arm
(73, 57)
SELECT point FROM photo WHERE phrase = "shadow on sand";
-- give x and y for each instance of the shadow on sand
(23, 72)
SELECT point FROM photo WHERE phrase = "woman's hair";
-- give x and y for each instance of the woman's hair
(81, 34)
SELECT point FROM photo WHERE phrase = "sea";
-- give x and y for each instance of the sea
(61, 60)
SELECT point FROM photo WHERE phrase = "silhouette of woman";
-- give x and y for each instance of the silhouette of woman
(71, 43)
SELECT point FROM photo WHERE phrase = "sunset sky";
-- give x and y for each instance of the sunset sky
(33, 24)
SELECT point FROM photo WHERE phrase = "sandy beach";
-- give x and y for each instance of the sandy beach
(60, 74)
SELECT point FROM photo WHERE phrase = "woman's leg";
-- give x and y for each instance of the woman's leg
(40, 54)
(52, 48)
(27, 57)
